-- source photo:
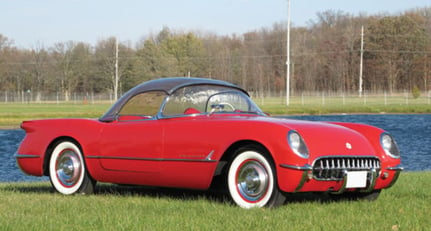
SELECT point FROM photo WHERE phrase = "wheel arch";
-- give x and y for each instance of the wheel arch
(229, 154)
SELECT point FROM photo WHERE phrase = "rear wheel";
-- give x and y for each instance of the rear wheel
(251, 179)
(67, 171)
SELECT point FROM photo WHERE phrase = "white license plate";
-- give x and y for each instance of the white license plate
(356, 179)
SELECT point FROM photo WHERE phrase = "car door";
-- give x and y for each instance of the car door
(134, 141)
(132, 146)
(189, 153)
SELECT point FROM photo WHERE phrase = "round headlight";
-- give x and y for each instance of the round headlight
(297, 144)
(389, 145)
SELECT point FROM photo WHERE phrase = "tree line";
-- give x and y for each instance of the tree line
(325, 57)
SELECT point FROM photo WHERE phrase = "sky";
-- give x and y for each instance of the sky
(35, 23)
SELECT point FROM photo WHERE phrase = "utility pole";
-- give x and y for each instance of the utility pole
(116, 70)
(288, 55)
(361, 61)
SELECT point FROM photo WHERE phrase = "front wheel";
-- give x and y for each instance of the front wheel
(67, 171)
(251, 180)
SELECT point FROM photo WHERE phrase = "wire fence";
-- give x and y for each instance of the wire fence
(304, 98)
(76, 98)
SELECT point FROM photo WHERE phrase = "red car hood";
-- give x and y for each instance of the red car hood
(324, 138)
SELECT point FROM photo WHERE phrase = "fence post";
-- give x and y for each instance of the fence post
(386, 99)
(365, 98)
(406, 96)
(323, 98)
(302, 98)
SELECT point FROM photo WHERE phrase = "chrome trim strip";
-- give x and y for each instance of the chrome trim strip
(396, 168)
(306, 167)
(26, 155)
(149, 159)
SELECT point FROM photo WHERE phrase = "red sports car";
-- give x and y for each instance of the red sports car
(192, 132)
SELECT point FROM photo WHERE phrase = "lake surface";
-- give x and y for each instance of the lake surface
(412, 133)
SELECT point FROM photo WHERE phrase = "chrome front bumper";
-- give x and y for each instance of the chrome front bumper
(373, 174)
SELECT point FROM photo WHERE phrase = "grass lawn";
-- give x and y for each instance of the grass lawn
(33, 206)
(12, 114)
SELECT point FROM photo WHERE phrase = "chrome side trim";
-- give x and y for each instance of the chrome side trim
(149, 159)
(210, 155)
(306, 167)
(26, 155)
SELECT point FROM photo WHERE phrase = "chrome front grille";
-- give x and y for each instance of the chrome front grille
(332, 168)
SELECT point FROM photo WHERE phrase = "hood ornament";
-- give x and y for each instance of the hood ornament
(348, 146)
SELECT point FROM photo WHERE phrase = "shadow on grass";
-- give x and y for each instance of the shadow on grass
(159, 192)
(215, 195)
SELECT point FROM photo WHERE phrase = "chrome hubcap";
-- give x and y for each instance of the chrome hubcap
(68, 168)
(252, 181)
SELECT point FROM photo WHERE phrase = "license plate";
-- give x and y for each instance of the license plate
(356, 179)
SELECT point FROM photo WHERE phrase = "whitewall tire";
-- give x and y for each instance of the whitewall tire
(67, 170)
(251, 180)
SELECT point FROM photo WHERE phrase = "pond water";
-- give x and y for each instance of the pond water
(412, 133)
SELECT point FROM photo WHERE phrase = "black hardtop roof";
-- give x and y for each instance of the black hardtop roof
(171, 84)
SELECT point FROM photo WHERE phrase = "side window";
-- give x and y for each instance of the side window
(227, 102)
(141, 106)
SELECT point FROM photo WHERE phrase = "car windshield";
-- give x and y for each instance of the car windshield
(207, 99)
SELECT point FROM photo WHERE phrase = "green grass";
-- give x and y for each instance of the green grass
(33, 206)
(12, 114)
(316, 105)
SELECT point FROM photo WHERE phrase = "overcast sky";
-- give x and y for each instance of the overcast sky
(44, 22)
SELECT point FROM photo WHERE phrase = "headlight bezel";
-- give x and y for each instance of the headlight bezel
(389, 146)
(297, 144)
